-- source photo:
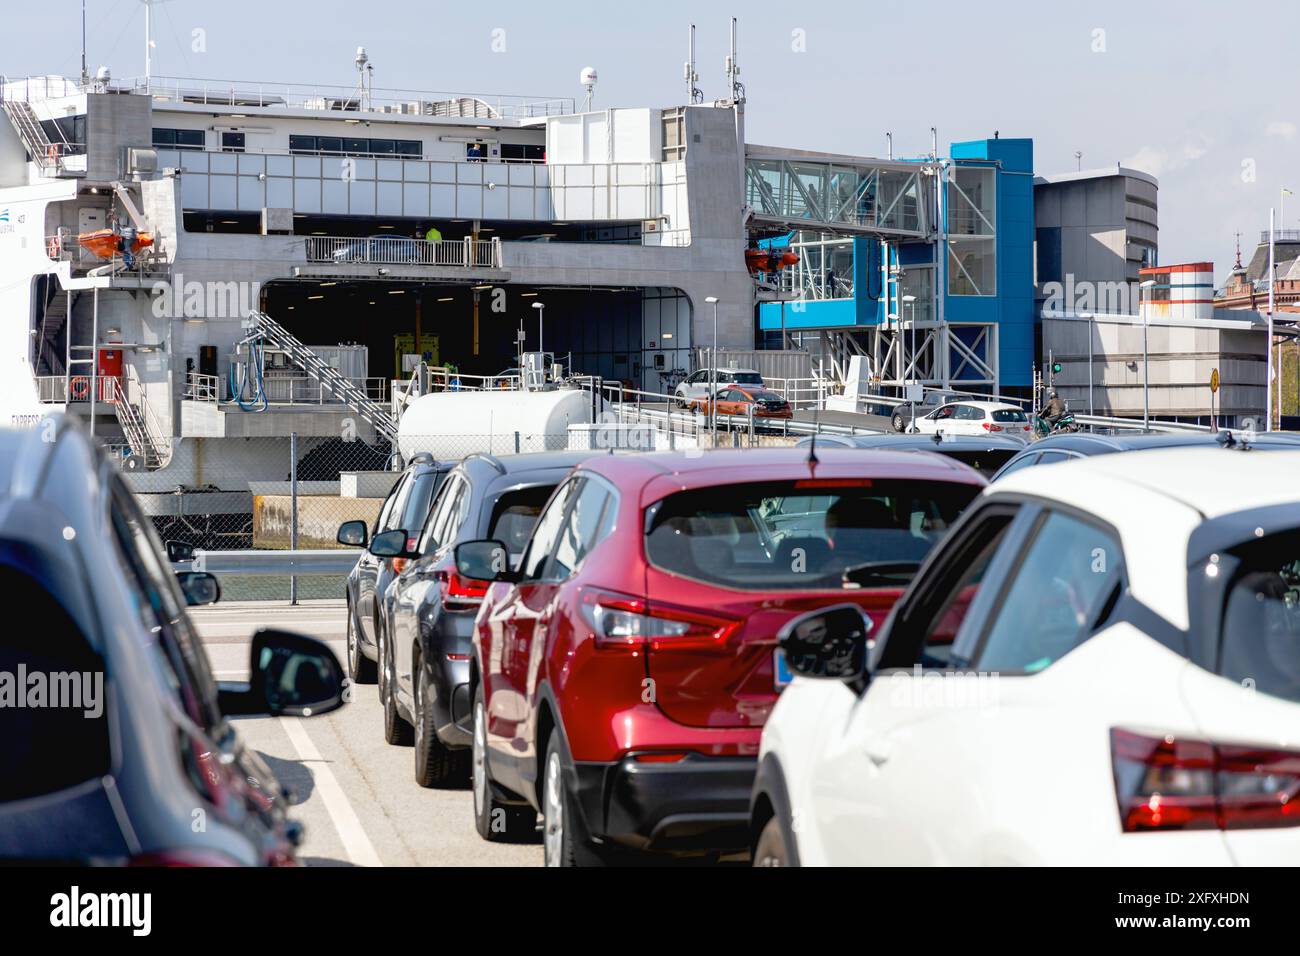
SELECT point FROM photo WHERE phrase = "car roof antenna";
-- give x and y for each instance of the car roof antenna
(812, 445)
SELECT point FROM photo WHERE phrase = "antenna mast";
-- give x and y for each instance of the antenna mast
(733, 70)
(693, 93)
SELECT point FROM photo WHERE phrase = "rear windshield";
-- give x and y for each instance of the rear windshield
(985, 461)
(741, 378)
(515, 514)
(763, 395)
(792, 535)
(1009, 415)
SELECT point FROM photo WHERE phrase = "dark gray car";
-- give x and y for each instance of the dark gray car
(429, 610)
(406, 506)
(129, 755)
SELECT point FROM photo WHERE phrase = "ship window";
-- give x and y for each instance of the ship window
(329, 144)
(232, 142)
(410, 147)
(178, 138)
(522, 153)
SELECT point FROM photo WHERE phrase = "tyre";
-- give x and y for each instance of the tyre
(396, 730)
(898, 422)
(361, 669)
(495, 821)
(436, 765)
(771, 849)
(564, 839)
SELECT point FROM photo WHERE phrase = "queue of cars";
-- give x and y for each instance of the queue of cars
(738, 652)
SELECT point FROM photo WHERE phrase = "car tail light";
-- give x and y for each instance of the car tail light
(618, 620)
(458, 591)
(1169, 783)
(989, 427)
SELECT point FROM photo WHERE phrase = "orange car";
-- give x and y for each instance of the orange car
(740, 401)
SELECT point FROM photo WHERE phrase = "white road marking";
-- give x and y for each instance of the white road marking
(356, 845)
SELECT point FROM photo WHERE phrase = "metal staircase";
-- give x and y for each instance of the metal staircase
(50, 356)
(45, 153)
(331, 379)
(135, 428)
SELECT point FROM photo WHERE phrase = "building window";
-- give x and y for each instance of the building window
(178, 138)
(917, 281)
(1047, 244)
(972, 238)
(232, 142)
(674, 134)
(824, 269)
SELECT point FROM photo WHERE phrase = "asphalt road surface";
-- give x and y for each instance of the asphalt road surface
(356, 795)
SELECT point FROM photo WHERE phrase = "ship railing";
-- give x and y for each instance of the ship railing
(305, 390)
(214, 92)
(201, 388)
(400, 251)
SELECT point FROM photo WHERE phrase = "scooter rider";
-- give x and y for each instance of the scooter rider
(1054, 410)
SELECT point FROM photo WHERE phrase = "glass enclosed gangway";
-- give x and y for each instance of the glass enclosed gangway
(840, 194)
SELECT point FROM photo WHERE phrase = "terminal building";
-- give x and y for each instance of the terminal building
(152, 229)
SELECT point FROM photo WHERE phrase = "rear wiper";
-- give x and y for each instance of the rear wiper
(880, 573)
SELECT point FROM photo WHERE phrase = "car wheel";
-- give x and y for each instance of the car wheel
(564, 840)
(771, 850)
(396, 730)
(898, 422)
(361, 669)
(495, 821)
(436, 765)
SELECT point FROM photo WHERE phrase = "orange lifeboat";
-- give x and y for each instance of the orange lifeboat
(769, 260)
(106, 243)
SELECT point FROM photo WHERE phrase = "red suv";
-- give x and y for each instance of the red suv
(622, 673)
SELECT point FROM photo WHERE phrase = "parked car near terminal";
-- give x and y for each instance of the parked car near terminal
(986, 455)
(406, 506)
(745, 401)
(427, 613)
(973, 418)
(130, 744)
(1058, 448)
(621, 675)
(1098, 667)
(698, 383)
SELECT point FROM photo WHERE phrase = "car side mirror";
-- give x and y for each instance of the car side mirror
(199, 588)
(483, 561)
(828, 644)
(290, 675)
(178, 551)
(390, 544)
(354, 534)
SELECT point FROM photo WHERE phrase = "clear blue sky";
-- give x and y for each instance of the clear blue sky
(1189, 91)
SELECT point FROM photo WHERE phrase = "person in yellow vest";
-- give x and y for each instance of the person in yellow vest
(433, 235)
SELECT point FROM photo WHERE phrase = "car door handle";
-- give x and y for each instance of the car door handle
(878, 750)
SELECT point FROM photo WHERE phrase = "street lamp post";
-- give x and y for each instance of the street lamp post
(713, 374)
(1146, 378)
(541, 311)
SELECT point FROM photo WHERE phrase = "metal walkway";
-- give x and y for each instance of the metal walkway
(839, 194)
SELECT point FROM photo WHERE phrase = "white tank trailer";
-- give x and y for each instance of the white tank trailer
(450, 425)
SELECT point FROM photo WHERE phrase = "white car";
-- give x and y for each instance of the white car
(1099, 665)
(696, 385)
(973, 418)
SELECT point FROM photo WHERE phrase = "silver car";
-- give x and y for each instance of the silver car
(696, 385)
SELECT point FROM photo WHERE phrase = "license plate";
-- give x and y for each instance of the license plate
(780, 669)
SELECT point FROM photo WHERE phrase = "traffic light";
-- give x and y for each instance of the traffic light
(1056, 368)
